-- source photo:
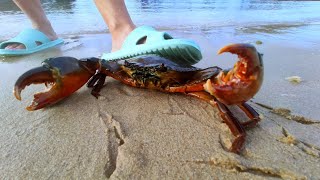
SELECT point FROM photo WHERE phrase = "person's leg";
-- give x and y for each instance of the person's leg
(35, 13)
(117, 18)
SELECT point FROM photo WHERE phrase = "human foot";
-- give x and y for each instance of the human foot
(146, 40)
(119, 35)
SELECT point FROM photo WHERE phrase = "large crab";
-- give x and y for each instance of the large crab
(214, 85)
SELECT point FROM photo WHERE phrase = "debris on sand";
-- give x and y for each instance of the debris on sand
(294, 79)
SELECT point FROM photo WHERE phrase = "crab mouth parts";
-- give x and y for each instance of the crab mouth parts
(39, 97)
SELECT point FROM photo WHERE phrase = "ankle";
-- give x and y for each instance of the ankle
(119, 30)
(47, 29)
(119, 34)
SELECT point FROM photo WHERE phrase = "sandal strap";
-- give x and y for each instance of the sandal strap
(137, 34)
(28, 38)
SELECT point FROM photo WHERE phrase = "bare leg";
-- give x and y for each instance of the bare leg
(35, 13)
(116, 16)
(114, 13)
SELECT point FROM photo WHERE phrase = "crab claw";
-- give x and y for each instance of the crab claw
(65, 75)
(243, 81)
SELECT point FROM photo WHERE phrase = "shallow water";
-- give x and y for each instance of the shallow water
(298, 20)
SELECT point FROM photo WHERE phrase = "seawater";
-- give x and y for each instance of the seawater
(296, 20)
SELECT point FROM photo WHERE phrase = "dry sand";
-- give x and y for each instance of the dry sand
(131, 133)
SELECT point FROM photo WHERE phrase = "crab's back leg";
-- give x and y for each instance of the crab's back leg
(233, 123)
(251, 113)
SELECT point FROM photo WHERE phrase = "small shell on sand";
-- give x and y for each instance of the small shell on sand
(294, 79)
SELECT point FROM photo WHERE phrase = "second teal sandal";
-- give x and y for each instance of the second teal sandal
(32, 39)
(146, 40)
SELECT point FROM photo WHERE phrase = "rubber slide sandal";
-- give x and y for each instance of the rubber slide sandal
(32, 39)
(146, 40)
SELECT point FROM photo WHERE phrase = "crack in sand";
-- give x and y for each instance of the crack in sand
(130, 91)
(289, 139)
(304, 147)
(258, 171)
(115, 138)
(174, 107)
(185, 111)
(35, 125)
(286, 113)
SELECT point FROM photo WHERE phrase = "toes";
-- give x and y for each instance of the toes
(15, 46)
(20, 46)
(10, 46)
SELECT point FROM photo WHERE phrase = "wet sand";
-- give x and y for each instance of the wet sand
(131, 133)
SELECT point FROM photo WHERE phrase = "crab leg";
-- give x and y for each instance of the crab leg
(233, 123)
(251, 113)
(96, 83)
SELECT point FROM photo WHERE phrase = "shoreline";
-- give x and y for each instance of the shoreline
(292, 34)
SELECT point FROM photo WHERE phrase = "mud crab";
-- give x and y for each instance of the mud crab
(214, 85)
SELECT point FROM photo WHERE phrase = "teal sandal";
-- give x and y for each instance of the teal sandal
(29, 38)
(146, 40)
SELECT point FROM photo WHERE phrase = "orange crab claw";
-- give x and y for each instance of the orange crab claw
(243, 81)
(65, 75)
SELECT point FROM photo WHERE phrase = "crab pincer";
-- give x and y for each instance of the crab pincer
(63, 75)
(243, 81)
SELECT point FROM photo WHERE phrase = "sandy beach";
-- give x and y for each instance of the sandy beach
(131, 133)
